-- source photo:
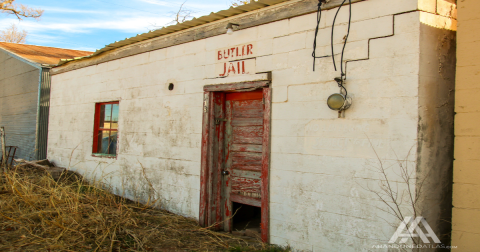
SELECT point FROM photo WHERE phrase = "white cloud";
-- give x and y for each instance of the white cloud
(55, 41)
(67, 25)
(123, 22)
(69, 10)
(158, 2)
(208, 7)
(203, 7)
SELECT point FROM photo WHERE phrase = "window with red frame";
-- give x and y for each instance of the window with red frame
(106, 128)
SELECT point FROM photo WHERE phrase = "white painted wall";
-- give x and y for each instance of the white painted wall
(320, 165)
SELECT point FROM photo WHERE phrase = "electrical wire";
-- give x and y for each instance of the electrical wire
(342, 78)
(346, 37)
(319, 18)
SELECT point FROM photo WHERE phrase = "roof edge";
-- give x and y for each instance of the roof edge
(279, 11)
(18, 57)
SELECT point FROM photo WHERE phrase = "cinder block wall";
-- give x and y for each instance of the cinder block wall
(323, 169)
(18, 104)
(466, 188)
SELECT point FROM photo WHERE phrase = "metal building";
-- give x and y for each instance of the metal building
(25, 95)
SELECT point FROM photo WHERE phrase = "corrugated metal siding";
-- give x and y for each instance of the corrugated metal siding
(43, 111)
(18, 104)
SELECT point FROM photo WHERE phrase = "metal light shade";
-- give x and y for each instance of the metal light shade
(338, 102)
(230, 28)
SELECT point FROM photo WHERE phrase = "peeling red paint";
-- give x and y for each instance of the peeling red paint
(244, 154)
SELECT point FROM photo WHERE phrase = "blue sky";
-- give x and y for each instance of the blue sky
(92, 24)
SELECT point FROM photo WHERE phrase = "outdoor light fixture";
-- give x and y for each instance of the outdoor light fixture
(230, 28)
(339, 101)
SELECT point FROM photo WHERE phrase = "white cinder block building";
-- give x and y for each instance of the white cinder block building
(206, 122)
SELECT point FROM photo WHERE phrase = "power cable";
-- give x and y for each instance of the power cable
(340, 81)
(346, 37)
(319, 18)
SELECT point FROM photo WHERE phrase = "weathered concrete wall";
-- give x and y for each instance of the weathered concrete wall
(466, 188)
(18, 104)
(324, 170)
(436, 117)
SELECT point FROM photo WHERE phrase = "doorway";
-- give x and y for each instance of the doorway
(236, 157)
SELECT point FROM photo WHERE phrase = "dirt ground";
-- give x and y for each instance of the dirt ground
(39, 213)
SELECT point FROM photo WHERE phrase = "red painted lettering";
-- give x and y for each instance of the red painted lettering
(243, 67)
(220, 55)
(225, 55)
(224, 69)
(231, 68)
(249, 49)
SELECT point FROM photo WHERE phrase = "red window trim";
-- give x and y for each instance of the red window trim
(96, 124)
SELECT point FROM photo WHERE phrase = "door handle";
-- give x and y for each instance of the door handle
(219, 120)
(225, 172)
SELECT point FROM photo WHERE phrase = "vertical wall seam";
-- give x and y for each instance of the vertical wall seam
(43, 107)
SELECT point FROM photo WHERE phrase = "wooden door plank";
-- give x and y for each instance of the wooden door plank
(219, 101)
(204, 161)
(248, 135)
(236, 86)
(248, 140)
(246, 158)
(248, 167)
(256, 121)
(248, 109)
(246, 200)
(244, 186)
(248, 131)
(265, 228)
(246, 147)
(243, 96)
(227, 204)
(211, 161)
(247, 174)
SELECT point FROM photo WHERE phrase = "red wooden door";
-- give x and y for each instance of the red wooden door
(236, 143)
(242, 180)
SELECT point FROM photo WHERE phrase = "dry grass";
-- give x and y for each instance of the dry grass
(38, 213)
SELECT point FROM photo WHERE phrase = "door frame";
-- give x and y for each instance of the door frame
(212, 153)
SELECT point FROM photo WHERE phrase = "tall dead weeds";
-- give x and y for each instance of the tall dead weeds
(38, 213)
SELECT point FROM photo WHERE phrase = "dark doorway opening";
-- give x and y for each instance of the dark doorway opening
(246, 220)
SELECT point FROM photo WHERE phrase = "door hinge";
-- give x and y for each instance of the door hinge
(205, 107)
(218, 120)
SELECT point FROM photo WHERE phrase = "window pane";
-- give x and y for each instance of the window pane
(105, 116)
(99, 141)
(113, 143)
(103, 141)
(106, 133)
(114, 124)
(102, 116)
